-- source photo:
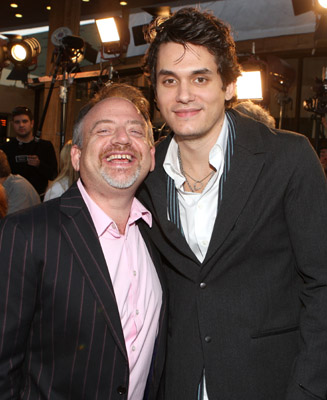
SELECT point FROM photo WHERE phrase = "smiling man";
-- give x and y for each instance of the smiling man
(241, 217)
(82, 300)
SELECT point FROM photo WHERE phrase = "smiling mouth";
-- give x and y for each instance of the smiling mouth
(119, 157)
(186, 113)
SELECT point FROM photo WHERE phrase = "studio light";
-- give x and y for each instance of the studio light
(73, 48)
(114, 34)
(321, 6)
(252, 83)
(281, 74)
(249, 85)
(23, 51)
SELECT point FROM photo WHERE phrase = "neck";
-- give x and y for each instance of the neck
(116, 206)
(195, 158)
(197, 179)
(25, 139)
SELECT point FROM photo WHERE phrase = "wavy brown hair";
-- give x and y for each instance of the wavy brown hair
(189, 25)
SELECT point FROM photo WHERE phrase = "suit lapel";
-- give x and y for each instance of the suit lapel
(156, 184)
(246, 165)
(79, 230)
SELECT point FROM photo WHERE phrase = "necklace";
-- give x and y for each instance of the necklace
(198, 184)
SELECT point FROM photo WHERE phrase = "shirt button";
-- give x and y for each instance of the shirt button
(207, 339)
(133, 348)
(134, 273)
(204, 243)
(121, 390)
(137, 312)
(203, 285)
(200, 206)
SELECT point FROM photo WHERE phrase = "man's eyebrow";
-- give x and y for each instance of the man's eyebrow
(204, 71)
(110, 121)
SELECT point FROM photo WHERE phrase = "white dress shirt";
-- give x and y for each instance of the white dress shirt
(198, 211)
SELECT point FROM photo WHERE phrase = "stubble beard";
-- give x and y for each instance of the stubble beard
(123, 183)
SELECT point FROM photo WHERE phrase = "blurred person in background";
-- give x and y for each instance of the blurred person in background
(67, 174)
(3, 202)
(34, 159)
(20, 193)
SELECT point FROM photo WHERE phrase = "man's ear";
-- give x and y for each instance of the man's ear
(153, 161)
(230, 91)
(75, 155)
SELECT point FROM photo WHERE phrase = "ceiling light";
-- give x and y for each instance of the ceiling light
(48, 8)
(19, 15)
(114, 34)
(123, 3)
(14, 5)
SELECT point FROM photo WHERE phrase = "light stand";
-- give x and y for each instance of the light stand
(46, 105)
(282, 100)
(69, 53)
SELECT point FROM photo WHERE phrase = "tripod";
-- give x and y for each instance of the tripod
(63, 97)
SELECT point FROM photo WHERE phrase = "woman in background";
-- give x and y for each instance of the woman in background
(66, 177)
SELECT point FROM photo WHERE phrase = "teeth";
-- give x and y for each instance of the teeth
(119, 157)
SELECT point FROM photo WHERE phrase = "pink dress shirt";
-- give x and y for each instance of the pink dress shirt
(136, 285)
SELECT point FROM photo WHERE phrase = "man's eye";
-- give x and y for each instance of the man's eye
(137, 133)
(201, 79)
(169, 81)
(102, 132)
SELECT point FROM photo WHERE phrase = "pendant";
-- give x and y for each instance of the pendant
(198, 186)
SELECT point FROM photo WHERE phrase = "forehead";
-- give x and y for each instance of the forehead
(114, 108)
(176, 56)
(21, 117)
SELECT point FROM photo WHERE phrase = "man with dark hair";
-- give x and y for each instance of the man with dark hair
(33, 159)
(20, 193)
(82, 300)
(242, 226)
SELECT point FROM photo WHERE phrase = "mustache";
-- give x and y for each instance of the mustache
(120, 148)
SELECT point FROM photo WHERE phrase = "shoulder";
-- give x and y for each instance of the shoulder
(45, 143)
(56, 189)
(32, 218)
(21, 183)
(249, 130)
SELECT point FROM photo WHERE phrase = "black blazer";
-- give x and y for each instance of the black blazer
(254, 313)
(61, 335)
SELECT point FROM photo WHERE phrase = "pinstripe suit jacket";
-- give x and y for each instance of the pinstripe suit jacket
(61, 336)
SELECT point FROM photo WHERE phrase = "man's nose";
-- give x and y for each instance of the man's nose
(121, 136)
(184, 93)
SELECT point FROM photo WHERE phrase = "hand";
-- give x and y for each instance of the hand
(33, 160)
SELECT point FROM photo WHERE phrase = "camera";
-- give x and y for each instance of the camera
(21, 159)
(318, 103)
